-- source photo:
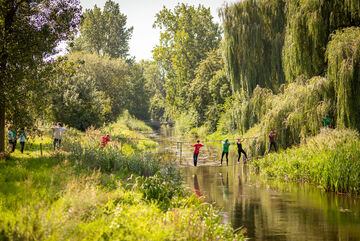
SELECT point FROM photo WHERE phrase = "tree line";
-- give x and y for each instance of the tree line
(212, 76)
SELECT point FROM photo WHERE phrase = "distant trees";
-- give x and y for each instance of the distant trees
(188, 33)
(122, 83)
(155, 86)
(209, 90)
(104, 32)
(74, 98)
(30, 31)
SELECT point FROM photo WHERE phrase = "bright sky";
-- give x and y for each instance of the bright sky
(141, 15)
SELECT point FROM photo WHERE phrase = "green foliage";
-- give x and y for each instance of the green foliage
(343, 57)
(157, 189)
(187, 35)
(30, 32)
(104, 32)
(62, 197)
(155, 83)
(132, 123)
(296, 112)
(208, 91)
(309, 24)
(330, 160)
(254, 36)
(74, 99)
(122, 83)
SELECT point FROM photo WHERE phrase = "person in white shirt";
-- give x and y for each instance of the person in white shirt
(58, 132)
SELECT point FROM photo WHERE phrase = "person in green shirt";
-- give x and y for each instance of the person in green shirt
(327, 121)
(225, 151)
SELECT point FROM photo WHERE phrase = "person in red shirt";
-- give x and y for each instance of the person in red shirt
(197, 147)
(272, 140)
(104, 140)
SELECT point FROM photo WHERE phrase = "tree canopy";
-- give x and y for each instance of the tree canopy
(188, 33)
(104, 32)
(30, 31)
(254, 36)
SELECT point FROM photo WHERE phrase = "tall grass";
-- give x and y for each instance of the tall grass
(330, 160)
(85, 192)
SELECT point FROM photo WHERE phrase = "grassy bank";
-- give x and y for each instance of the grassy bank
(330, 160)
(84, 192)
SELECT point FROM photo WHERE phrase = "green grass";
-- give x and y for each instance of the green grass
(330, 160)
(79, 194)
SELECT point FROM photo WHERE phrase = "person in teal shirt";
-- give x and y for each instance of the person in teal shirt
(11, 140)
(225, 151)
(22, 138)
(327, 121)
(14, 132)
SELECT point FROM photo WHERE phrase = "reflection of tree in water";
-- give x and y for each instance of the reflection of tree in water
(225, 186)
(196, 186)
(244, 212)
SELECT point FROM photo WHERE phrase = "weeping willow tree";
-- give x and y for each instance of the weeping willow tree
(343, 55)
(309, 24)
(254, 36)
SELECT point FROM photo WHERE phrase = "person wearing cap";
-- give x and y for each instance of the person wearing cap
(197, 147)
(225, 151)
(240, 149)
(58, 133)
(104, 140)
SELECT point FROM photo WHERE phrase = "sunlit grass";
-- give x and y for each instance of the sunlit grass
(84, 192)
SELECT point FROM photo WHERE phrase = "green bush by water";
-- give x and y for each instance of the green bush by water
(330, 160)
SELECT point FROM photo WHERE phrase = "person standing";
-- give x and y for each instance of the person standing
(327, 121)
(22, 138)
(225, 151)
(11, 140)
(197, 147)
(272, 140)
(104, 140)
(240, 149)
(15, 139)
(58, 133)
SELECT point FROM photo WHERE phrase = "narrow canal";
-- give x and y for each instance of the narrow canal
(266, 212)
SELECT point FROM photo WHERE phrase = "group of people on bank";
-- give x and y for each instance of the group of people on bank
(14, 135)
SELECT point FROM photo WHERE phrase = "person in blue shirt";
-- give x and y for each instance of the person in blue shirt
(11, 140)
(22, 139)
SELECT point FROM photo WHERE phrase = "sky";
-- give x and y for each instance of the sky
(141, 15)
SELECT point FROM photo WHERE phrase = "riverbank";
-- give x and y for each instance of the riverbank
(329, 160)
(88, 192)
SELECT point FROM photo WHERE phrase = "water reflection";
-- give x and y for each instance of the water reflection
(196, 186)
(291, 212)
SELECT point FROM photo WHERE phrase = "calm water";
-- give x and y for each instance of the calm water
(284, 212)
